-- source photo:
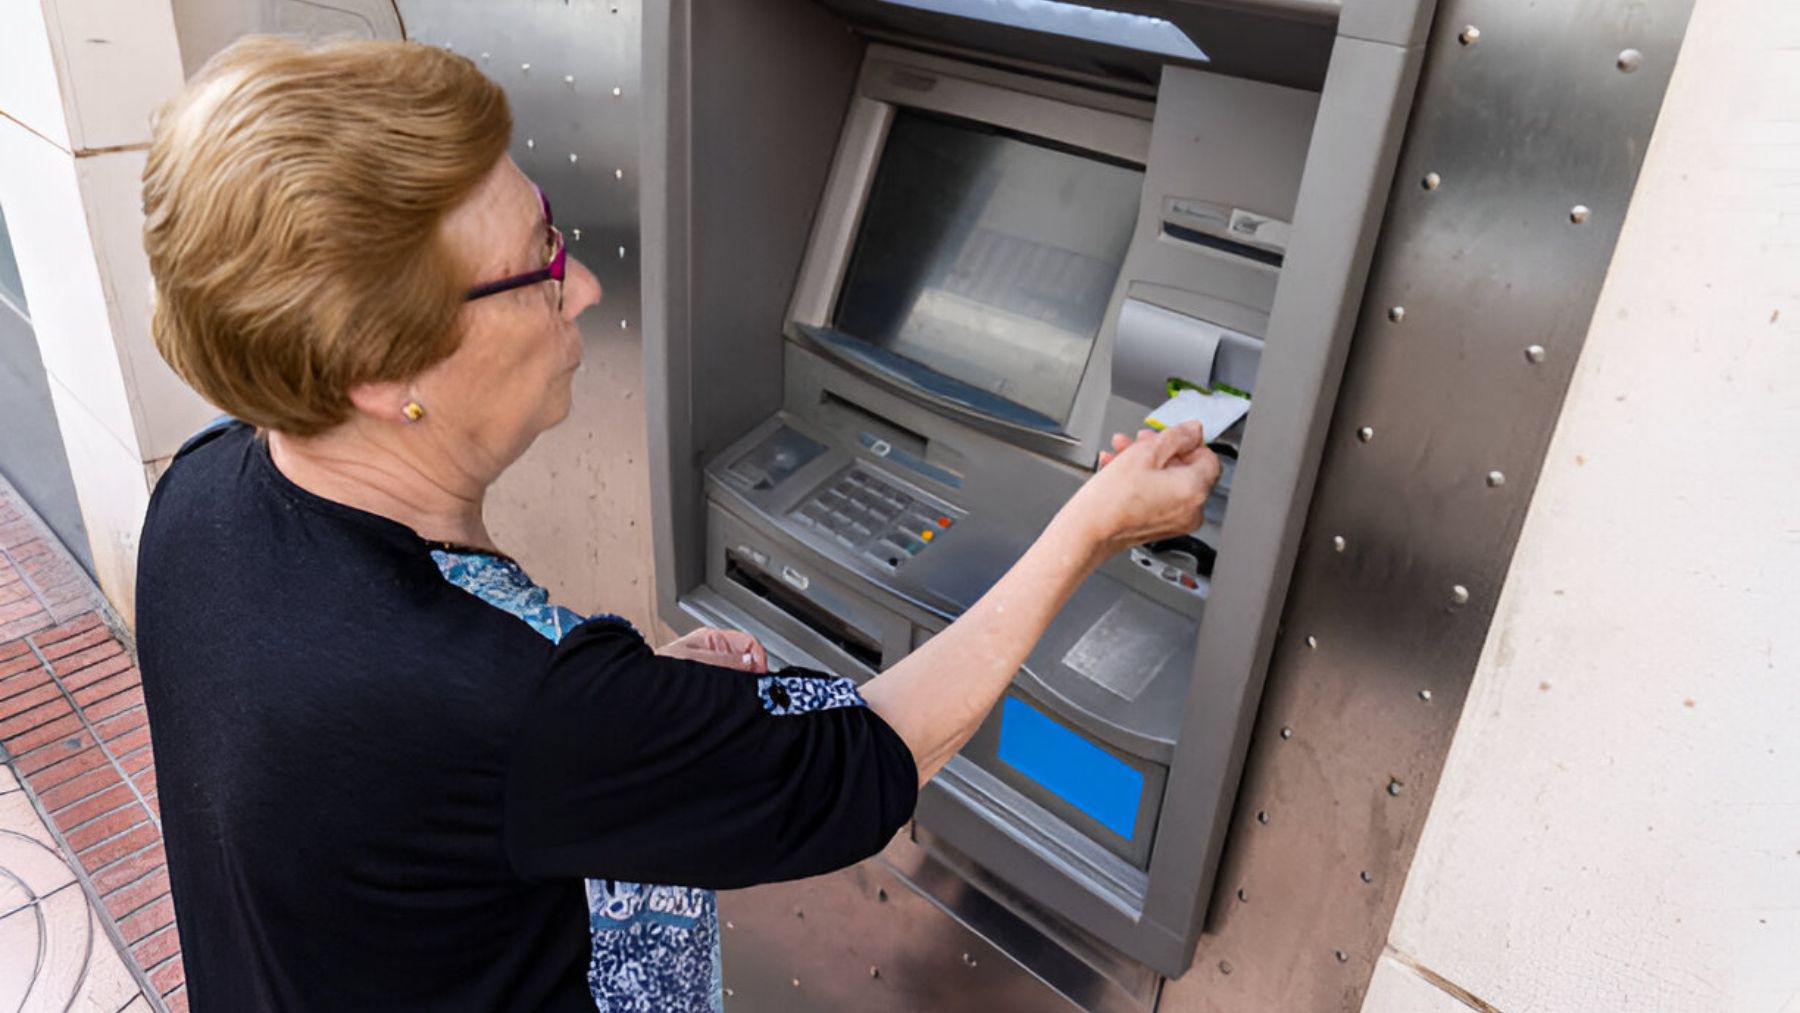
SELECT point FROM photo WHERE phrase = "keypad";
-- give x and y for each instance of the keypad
(873, 516)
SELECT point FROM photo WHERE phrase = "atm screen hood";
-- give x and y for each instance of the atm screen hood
(1285, 42)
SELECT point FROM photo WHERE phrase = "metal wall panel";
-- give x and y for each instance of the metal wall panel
(1526, 139)
(575, 509)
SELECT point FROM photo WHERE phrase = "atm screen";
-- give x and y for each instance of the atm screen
(988, 258)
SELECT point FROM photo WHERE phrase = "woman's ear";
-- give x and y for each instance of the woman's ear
(383, 400)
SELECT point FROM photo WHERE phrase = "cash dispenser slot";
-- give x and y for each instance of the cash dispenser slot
(796, 605)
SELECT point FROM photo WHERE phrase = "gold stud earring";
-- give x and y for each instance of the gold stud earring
(414, 411)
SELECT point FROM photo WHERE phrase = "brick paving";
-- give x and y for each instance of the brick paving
(73, 730)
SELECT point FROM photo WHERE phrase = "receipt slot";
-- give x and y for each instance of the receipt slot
(907, 265)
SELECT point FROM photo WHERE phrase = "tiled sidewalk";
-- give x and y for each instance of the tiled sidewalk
(77, 792)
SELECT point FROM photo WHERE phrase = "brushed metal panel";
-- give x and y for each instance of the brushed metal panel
(575, 509)
(1484, 283)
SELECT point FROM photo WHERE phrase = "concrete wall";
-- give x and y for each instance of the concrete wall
(78, 82)
(1618, 827)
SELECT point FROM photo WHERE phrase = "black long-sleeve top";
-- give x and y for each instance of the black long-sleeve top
(379, 792)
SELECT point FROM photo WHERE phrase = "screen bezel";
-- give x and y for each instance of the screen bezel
(1112, 127)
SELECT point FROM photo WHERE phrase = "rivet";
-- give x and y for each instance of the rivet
(1496, 479)
(796, 982)
(1286, 732)
(1431, 181)
(1338, 544)
(1630, 60)
(618, 92)
(1224, 967)
(1262, 816)
(1366, 433)
(1459, 594)
(624, 324)
(573, 157)
(1341, 956)
(618, 173)
(968, 961)
(1393, 787)
(530, 142)
(1312, 643)
(576, 234)
(568, 79)
(1536, 353)
(729, 993)
(526, 67)
(1469, 36)
(1397, 314)
(874, 972)
(1425, 695)
(485, 56)
(1579, 214)
(621, 253)
(1243, 895)
(730, 925)
(1365, 877)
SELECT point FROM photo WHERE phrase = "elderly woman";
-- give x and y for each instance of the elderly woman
(386, 761)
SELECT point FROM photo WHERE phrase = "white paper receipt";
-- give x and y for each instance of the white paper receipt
(1216, 411)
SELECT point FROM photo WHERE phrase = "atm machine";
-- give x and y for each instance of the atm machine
(910, 263)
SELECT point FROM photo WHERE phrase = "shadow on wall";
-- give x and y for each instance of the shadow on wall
(32, 457)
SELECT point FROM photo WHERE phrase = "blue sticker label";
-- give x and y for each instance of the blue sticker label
(1070, 767)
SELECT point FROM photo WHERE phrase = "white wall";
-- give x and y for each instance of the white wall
(78, 82)
(1618, 827)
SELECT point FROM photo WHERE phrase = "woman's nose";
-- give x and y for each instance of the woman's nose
(580, 289)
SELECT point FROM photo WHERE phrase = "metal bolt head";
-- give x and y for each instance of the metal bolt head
(1341, 956)
(1579, 214)
(526, 67)
(1459, 594)
(485, 56)
(874, 972)
(1536, 354)
(1366, 433)
(1496, 479)
(1432, 181)
(1393, 787)
(568, 79)
(624, 324)
(1338, 544)
(1365, 877)
(1243, 895)
(621, 253)
(618, 92)
(530, 143)
(1397, 314)
(618, 173)
(730, 925)
(576, 234)
(1286, 732)
(1469, 36)
(1630, 60)
(1224, 967)
(1312, 643)
(573, 158)
(796, 982)
(1425, 695)
(729, 993)
(1262, 816)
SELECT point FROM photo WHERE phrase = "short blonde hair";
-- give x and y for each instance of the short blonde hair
(293, 202)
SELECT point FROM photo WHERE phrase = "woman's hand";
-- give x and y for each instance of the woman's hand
(1150, 487)
(723, 648)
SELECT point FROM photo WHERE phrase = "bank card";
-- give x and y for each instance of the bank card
(1216, 411)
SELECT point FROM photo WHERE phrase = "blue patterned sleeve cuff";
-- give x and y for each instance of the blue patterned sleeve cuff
(783, 695)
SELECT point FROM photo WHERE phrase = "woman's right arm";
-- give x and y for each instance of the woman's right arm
(937, 696)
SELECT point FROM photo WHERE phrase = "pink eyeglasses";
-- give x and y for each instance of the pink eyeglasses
(553, 271)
